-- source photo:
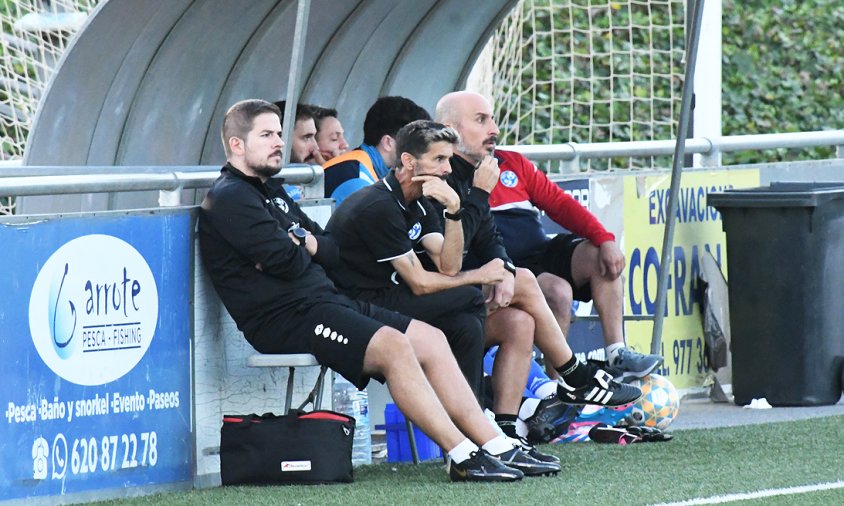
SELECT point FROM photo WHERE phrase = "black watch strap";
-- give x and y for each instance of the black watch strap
(456, 216)
(510, 267)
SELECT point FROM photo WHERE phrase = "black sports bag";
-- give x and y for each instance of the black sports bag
(299, 448)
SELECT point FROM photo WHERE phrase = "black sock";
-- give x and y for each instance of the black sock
(507, 424)
(573, 373)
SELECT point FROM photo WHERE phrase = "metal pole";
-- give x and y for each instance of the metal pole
(676, 176)
(300, 35)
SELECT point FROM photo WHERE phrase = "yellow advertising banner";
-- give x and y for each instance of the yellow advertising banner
(697, 231)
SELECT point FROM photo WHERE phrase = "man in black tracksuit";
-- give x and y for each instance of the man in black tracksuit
(266, 258)
(377, 227)
(381, 228)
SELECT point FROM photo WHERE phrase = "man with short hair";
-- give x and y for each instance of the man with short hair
(379, 230)
(303, 144)
(374, 158)
(586, 266)
(267, 262)
(330, 134)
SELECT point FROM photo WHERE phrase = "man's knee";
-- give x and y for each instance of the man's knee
(426, 339)
(557, 292)
(388, 347)
(525, 276)
(527, 291)
(584, 260)
(511, 327)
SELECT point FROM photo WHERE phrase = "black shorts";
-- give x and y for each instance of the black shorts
(556, 260)
(458, 312)
(337, 334)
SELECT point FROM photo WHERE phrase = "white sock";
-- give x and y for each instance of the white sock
(612, 351)
(491, 417)
(528, 407)
(521, 428)
(546, 390)
(497, 445)
(462, 451)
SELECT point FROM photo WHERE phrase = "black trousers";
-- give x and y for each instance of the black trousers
(458, 312)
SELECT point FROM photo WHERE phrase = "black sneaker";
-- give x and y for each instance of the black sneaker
(480, 466)
(523, 445)
(517, 459)
(550, 420)
(600, 390)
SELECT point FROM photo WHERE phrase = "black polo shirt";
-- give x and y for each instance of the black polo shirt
(373, 226)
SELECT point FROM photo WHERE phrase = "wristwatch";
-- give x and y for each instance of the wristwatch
(456, 216)
(510, 267)
(299, 233)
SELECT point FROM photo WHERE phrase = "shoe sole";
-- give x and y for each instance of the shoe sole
(531, 474)
(488, 478)
(528, 471)
(608, 405)
(539, 475)
(495, 479)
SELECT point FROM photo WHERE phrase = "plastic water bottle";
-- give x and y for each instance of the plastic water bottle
(353, 402)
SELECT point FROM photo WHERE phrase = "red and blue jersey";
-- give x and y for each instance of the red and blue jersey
(522, 191)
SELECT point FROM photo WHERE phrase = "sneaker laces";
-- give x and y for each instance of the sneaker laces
(520, 443)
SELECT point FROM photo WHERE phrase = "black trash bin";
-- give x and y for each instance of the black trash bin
(785, 260)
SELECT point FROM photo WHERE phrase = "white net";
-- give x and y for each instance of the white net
(590, 71)
(35, 34)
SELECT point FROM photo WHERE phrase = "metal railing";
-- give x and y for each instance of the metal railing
(57, 180)
(710, 148)
(33, 181)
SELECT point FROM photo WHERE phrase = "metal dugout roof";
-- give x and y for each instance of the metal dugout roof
(146, 82)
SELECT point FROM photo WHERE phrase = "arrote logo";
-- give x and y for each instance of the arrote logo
(93, 309)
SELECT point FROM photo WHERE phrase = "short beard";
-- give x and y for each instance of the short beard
(267, 171)
(475, 156)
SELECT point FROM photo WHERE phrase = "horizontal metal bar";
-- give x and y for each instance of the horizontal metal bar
(62, 170)
(627, 317)
(786, 140)
(138, 181)
(698, 145)
(50, 180)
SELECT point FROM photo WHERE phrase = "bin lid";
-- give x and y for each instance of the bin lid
(779, 194)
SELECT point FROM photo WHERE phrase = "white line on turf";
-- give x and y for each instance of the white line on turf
(720, 499)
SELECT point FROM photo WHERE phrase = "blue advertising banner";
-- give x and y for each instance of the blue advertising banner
(95, 326)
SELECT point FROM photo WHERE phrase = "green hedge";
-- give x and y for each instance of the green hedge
(782, 71)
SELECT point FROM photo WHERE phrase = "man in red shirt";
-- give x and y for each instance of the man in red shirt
(585, 265)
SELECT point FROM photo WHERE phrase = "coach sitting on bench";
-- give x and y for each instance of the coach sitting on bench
(265, 258)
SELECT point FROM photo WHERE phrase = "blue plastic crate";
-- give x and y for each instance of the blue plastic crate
(398, 445)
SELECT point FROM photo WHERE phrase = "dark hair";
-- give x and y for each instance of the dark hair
(387, 115)
(319, 113)
(240, 118)
(416, 137)
(303, 112)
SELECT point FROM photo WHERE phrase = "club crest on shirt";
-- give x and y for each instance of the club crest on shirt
(281, 204)
(414, 231)
(509, 178)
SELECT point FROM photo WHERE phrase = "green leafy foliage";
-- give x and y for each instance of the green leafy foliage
(782, 72)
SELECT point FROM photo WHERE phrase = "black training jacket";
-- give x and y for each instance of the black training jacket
(243, 224)
(482, 240)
